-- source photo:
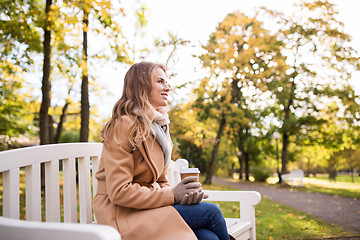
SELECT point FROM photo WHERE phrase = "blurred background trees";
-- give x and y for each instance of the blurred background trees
(269, 72)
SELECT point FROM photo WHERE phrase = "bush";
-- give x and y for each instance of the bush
(70, 136)
(261, 173)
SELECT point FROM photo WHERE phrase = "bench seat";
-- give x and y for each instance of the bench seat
(14, 229)
(238, 229)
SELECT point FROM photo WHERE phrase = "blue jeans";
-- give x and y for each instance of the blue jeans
(205, 219)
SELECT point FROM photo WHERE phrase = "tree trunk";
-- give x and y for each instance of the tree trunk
(284, 153)
(241, 169)
(63, 115)
(241, 154)
(51, 129)
(85, 106)
(247, 166)
(46, 86)
(215, 151)
(61, 123)
(277, 162)
(244, 160)
(286, 131)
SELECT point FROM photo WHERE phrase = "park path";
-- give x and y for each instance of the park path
(332, 209)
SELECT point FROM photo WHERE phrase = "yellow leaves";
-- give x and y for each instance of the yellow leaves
(280, 209)
(214, 112)
(85, 27)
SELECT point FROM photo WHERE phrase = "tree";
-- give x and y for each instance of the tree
(191, 137)
(169, 48)
(102, 14)
(321, 61)
(14, 116)
(19, 40)
(19, 36)
(85, 105)
(139, 51)
(240, 56)
(351, 158)
(46, 85)
(61, 122)
(61, 25)
(340, 137)
(97, 19)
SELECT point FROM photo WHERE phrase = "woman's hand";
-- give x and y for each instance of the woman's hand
(186, 186)
(193, 197)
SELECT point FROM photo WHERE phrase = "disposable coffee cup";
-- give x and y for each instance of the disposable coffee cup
(186, 172)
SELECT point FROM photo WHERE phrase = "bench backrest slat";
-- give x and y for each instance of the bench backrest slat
(174, 171)
(11, 193)
(69, 189)
(33, 192)
(52, 195)
(85, 190)
(95, 165)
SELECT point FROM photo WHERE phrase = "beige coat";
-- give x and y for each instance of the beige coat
(134, 195)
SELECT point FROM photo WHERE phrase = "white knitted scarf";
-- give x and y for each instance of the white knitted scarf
(160, 127)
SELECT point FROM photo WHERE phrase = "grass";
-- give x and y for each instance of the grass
(331, 191)
(343, 186)
(339, 178)
(277, 221)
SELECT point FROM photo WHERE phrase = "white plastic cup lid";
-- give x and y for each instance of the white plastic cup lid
(189, 170)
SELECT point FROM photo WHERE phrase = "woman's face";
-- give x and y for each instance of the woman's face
(160, 88)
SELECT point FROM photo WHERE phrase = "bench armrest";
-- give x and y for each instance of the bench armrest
(20, 229)
(247, 200)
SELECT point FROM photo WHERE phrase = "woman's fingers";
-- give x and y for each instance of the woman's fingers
(192, 185)
(185, 199)
(200, 197)
(194, 196)
(189, 179)
(191, 198)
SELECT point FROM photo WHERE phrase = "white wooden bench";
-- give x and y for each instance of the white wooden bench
(68, 216)
(295, 177)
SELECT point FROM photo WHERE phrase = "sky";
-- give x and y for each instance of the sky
(195, 20)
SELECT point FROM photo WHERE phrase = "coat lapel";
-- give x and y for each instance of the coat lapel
(153, 155)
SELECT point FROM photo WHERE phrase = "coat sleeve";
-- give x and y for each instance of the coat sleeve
(163, 180)
(119, 172)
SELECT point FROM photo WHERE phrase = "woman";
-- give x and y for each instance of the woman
(134, 195)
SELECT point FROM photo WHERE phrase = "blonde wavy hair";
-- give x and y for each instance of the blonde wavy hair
(134, 103)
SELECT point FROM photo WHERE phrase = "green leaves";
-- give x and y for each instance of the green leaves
(19, 35)
(15, 117)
